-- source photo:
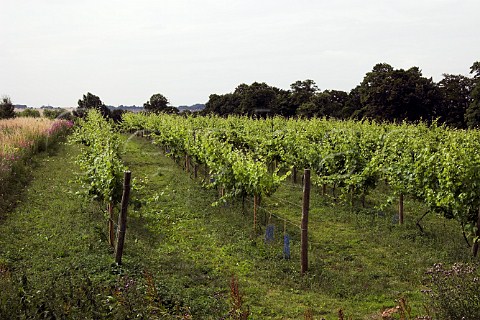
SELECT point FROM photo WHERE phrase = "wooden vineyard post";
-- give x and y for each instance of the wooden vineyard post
(187, 163)
(195, 165)
(352, 196)
(324, 189)
(122, 218)
(477, 235)
(255, 209)
(400, 209)
(294, 174)
(304, 226)
(111, 232)
(221, 192)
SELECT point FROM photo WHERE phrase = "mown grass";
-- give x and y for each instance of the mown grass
(48, 234)
(181, 252)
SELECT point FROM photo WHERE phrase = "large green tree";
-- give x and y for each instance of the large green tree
(456, 91)
(91, 101)
(222, 104)
(353, 106)
(397, 94)
(282, 104)
(301, 93)
(158, 103)
(472, 114)
(7, 110)
(256, 99)
(329, 103)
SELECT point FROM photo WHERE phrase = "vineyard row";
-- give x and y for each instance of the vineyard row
(249, 157)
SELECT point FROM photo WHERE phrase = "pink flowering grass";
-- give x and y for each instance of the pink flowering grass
(59, 127)
(20, 138)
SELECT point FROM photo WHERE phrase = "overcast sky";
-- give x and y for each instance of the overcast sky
(54, 51)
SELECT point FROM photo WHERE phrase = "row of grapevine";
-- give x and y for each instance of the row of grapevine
(101, 168)
(99, 162)
(237, 171)
(438, 165)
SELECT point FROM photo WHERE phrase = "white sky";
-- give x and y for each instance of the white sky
(54, 51)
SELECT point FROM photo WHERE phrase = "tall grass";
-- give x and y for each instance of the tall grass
(20, 138)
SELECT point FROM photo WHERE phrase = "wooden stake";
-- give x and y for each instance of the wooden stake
(363, 198)
(255, 210)
(477, 234)
(352, 195)
(111, 231)
(221, 192)
(294, 174)
(187, 163)
(122, 218)
(400, 209)
(305, 209)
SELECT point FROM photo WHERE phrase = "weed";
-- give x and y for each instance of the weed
(404, 309)
(308, 314)
(452, 292)
(237, 311)
(341, 315)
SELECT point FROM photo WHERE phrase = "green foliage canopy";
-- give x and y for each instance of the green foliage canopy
(91, 101)
(472, 114)
(29, 113)
(158, 103)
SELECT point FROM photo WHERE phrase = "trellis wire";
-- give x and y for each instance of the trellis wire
(276, 216)
(287, 202)
(292, 186)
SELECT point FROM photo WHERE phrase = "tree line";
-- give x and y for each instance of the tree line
(157, 103)
(7, 111)
(385, 94)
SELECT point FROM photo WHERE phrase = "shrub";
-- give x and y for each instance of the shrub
(29, 113)
(7, 109)
(57, 114)
(453, 292)
(75, 294)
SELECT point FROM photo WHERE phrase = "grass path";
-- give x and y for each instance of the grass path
(50, 228)
(50, 243)
(181, 252)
